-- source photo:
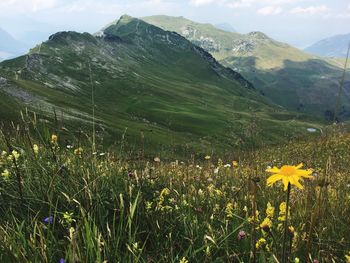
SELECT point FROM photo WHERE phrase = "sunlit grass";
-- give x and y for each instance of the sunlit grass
(59, 201)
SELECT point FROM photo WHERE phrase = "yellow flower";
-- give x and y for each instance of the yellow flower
(291, 230)
(78, 151)
(183, 260)
(266, 225)
(270, 210)
(5, 174)
(68, 218)
(54, 138)
(347, 258)
(229, 210)
(288, 174)
(282, 213)
(261, 242)
(36, 149)
(296, 260)
(234, 163)
(207, 157)
(15, 154)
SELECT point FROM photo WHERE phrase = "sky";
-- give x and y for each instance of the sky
(297, 22)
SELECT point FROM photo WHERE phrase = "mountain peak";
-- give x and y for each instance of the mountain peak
(125, 19)
(258, 35)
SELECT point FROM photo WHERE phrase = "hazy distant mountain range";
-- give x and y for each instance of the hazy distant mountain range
(335, 46)
(226, 27)
(9, 46)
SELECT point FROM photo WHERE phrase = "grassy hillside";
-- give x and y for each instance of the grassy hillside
(61, 203)
(151, 87)
(287, 76)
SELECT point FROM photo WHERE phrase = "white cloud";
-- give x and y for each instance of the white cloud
(280, 2)
(201, 2)
(269, 10)
(25, 6)
(311, 10)
(80, 6)
(240, 3)
(243, 3)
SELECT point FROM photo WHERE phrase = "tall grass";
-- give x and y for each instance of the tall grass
(153, 211)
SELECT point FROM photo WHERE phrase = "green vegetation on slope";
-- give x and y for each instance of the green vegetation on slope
(149, 85)
(61, 201)
(287, 76)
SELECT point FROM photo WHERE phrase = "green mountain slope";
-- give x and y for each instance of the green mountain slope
(152, 85)
(289, 77)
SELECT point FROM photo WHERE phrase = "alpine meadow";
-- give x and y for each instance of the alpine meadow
(189, 131)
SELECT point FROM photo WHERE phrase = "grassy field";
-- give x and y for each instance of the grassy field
(63, 199)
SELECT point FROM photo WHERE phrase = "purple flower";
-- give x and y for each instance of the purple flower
(241, 235)
(48, 220)
(61, 260)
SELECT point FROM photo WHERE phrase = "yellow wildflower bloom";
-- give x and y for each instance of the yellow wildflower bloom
(3, 154)
(220, 163)
(207, 157)
(5, 174)
(288, 174)
(235, 163)
(229, 210)
(347, 258)
(266, 225)
(282, 213)
(183, 260)
(35, 149)
(54, 138)
(260, 243)
(270, 210)
(291, 230)
(15, 154)
(78, 151)
(68, 218)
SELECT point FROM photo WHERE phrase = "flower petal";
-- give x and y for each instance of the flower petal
(295, 181)
(273, 170)
(304, 173)
(285, 182)
(299, 166)
(273, 179)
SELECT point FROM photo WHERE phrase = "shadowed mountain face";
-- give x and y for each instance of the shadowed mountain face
(287, 76)
(151, 85)
(336, 46)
